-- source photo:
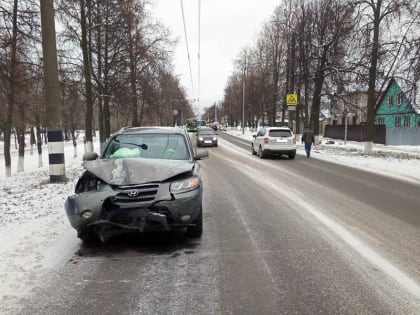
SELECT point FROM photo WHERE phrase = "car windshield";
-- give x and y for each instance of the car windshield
(151, 146)
(201, 123)
(279, 133)
(206, 132)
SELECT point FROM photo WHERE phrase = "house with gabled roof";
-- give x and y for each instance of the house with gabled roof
(399, 114)
(395, 110)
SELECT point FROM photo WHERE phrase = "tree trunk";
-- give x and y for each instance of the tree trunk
(38, 140)
(11, 94)
(370, 128)
(21, 141)
(316, 103)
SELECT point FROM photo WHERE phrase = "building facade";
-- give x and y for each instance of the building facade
(349, 105)
(394, 110)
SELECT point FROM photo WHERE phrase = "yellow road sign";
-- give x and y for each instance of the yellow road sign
(291, 99)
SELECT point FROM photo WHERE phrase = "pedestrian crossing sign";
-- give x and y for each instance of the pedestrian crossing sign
(291, 99)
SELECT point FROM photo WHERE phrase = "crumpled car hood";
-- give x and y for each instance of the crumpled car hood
(134, 171)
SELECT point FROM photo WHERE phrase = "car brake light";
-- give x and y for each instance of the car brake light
(266, 140)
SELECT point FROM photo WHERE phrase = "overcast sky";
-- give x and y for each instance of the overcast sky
(227, 26)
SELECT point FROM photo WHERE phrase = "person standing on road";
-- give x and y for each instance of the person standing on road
(308, 138)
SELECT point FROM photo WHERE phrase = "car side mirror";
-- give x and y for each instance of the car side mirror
(254, 136)
(90, 156)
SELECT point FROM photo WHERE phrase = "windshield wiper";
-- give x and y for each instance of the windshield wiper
(142, 146)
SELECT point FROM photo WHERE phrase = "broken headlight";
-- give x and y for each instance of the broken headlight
(87, 182)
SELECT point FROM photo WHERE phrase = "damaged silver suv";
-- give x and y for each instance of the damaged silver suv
(146, 179)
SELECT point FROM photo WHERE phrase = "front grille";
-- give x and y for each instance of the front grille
(135, 193)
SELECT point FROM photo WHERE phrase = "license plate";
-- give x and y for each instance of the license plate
(281, 141)
(207, 141)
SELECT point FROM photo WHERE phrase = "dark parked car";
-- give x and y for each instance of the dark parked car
(146, 179)
(206, 137)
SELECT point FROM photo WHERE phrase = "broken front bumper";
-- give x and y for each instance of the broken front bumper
(105, 211)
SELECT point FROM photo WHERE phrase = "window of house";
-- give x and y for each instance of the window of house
(389, 100)
(398, 121)
(381, 121)
(406, 121)
(399, 98)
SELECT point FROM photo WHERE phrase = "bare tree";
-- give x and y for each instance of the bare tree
(376, 17)
(19, 23)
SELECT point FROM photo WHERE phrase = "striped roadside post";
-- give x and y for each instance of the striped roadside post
(56, 155)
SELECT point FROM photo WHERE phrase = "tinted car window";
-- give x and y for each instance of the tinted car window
(280, 133)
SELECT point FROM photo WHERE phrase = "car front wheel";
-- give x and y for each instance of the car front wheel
(197, 229)
(252, 150)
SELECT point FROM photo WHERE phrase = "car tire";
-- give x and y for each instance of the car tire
(291, 156)
(197, 229)
(261, 153)
(252, 150)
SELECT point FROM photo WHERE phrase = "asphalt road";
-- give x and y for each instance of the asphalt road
(281, 236)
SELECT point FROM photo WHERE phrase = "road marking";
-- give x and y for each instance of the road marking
(363, 249)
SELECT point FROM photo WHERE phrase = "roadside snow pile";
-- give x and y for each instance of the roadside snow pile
(379, 151)
(27, 196)
(32, 222)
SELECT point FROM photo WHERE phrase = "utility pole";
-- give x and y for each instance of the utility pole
(243, 97)
(57, 168)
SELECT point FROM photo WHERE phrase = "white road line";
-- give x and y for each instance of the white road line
(363, 249)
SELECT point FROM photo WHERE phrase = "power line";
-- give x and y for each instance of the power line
(188, 50)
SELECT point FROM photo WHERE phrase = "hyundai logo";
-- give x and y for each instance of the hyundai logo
(133, 193)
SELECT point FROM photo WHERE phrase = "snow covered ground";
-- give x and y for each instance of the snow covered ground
(34, 227)
(397, 161)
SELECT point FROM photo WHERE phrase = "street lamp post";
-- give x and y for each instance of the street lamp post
(243, 97)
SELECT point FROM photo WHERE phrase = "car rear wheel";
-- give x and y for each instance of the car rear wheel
(197, 229)
(261, 153)
(291, 156)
